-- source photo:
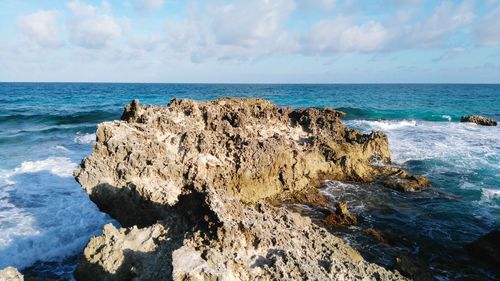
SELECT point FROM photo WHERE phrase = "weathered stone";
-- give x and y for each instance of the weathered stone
(198, 178)
(480, 120)
(10, 274)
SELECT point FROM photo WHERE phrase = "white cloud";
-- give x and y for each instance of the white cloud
(487, 30)
(450, 54)
(150, 5)
(446, 19)
(326, 5)
(91, 26)
(341, 35)
(41, 27)
(250, 23)
(239, 30)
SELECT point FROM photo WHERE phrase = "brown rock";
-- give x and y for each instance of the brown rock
(480, 120)
(487, 248)
(196, 177)
(342, 216)
(403, 181)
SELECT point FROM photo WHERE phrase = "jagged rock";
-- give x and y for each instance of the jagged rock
(487, 248)
(341, 216)
(199, 179)
(480, 120)
(403, 181)
(10, 274)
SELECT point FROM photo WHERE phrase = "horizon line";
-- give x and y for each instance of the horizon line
(256, 83)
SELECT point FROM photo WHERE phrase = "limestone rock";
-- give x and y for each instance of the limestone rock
(480, 120)
(10, 274)
(198, 179)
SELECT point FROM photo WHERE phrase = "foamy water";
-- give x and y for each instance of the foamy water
(44, 214)
(84, 138)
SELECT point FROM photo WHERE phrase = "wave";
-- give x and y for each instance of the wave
(462, 145)
(93, 116)
(384, 125)
(354, 113)
(84, 139)
(489, 195)
(59, 166)
(44, 217)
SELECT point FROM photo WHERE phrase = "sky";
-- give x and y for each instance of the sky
(258, 41)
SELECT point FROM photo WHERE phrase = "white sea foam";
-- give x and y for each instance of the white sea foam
(386, 125)
(59, 166)
(446, 117)
(461, 143)
(61, 148)
(488, 194)
(44, 216)
(85, 138)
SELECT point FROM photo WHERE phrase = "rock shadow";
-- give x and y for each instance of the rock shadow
(188, 216)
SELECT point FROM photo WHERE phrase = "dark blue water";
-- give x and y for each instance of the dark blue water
(47, 128)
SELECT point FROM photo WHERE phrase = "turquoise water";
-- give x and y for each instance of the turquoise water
(47, 128)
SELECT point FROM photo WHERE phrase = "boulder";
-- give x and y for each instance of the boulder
(480, 120)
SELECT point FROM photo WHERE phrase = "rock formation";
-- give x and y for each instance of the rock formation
(198, 179)
(480, 120)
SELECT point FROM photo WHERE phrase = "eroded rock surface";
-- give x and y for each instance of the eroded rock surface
(197, 177)
(10, 274)
(480, 120)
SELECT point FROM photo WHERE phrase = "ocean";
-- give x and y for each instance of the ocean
(47, 128)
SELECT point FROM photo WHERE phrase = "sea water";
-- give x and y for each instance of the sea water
(47, 128)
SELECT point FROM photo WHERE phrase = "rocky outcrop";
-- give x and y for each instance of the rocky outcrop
(198, 179)
(487, 248)
(480, 120)
(10, 274)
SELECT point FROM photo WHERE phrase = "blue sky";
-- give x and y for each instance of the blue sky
(260, 41)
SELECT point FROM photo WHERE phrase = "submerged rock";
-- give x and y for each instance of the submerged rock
(413, 267)
(10, 274)
(199, 178)
(480, 120)
(403, 181)
(487, 248)
(341, 216)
